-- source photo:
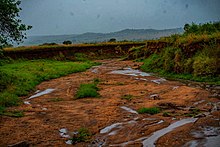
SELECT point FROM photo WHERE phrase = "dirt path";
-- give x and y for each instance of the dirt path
(47, 114)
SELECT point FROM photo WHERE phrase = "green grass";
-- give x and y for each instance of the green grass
(152, 110)
(87, 90)
(18, 78)
(128, 97)
(83, 135)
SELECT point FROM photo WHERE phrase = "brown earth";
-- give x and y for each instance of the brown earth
(45, 116)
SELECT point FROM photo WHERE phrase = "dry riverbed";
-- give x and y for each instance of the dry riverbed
(52, 115)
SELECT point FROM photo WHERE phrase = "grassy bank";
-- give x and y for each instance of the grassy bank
(203, 66)
(18, 78)
(193, 55)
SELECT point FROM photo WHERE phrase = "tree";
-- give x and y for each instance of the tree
(67, 42)
(11, 28)
(112, 40)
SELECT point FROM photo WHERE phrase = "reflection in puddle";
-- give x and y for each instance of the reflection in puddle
(149, 142)
(27, 103)
(130, 72)
(64, 133)
(159, 81)
(207, 137)
(109, 128)
(129, 109)
(47, 91)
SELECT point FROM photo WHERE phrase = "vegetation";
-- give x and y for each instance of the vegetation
(128, 97)
(193, 55)
(67, 42)
(18, 78)
(88, 90)
(11, 28)
(207, 28)
(152, 110)
(83, 135)
(112, 40)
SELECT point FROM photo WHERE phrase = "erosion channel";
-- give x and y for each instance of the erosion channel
(189, 115)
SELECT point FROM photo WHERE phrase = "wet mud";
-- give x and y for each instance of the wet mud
(189, 117)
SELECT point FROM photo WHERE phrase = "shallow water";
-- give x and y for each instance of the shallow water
(109, 128)
(207, 137)
(130, 72)
(159, 81)
(47, 91)
(149, 142)
(129, 109)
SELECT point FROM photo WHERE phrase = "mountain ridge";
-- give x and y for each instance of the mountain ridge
(90, 37)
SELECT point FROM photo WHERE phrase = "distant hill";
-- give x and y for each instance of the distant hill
(127, 34)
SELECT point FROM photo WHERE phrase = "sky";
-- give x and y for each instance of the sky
(58, 17)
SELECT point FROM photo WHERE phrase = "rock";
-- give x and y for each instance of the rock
(20, 144)
(155, 96)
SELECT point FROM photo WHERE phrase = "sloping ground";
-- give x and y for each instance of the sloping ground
(47, 114)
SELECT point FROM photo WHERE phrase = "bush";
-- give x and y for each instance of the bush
(83, 135)
(67, 42)
(87, 90)
(204, 66)
(112, 40)
(152, 110)
(151, 63)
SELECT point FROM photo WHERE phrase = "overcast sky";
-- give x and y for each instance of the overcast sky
(50, 17)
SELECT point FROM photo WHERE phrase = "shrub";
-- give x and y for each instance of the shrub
(83, 135)
(112, 40)
(67, 42)
(128, 97)
(87, 90)
(204, 66)
(152, 110)
(151, 63)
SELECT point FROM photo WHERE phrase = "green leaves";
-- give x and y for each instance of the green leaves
(11, 28)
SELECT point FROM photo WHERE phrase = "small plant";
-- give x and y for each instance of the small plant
(193, 112)
(87, 90)
(83, 135)
(127, 97)
(166, 114)
(152, 110)
(96, 80)
(120, 83)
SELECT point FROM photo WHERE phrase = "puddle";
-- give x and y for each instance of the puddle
(109, 128)
(155, 96)
(175, 87)
(130, 72)
(207, 137)
(64, 133)
(141, 79)
(69, 142)
(159, 81)
(149, 142)
(95, 69)
(47, 91)
(27, 103)
(199, 102)
(129, 109)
